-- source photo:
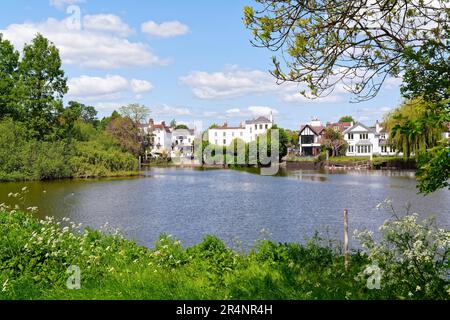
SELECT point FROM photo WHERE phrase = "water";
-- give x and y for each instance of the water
(190, 204)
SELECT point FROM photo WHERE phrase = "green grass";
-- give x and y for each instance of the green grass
(34, 257)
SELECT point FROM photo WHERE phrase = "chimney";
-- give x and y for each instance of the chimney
(225, 125)
(151, 123)
(378, 127)
(163, 124)
(271, 116)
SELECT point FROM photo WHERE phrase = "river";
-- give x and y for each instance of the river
(236, 206)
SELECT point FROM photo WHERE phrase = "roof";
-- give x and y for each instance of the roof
(361, 125)
(316, 129)
(160, 127)
(258, 121)
(341, 125)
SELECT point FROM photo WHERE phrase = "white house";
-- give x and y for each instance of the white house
(247, 131)
(309, 141)
(183, 142)
(162, 137)
(364, 141)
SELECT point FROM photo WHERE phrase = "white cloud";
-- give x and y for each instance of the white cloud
(168, 29)
(393, 83)
(166, 110)
(109, 23)
(140, 86)
(60, 4)
(111, 87)
(236, 82)
(371, 115)
(250, 112)
(85, 48)
(297, 97)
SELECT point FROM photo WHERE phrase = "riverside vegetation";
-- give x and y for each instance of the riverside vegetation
(412, 256)
(41, 139)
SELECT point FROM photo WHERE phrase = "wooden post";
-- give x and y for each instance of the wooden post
(346, 254)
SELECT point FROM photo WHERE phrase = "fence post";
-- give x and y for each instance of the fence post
(346, 253)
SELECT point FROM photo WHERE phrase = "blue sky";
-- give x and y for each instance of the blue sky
(188, 60)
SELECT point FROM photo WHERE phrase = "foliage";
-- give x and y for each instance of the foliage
(9, 60)
(350, 44)
(127, 135)
(413, 256)
(135, 112)
(182, 126)
(334, 141)
(347, 119)
(434, 169)
(415, 127)
(35, 255)
(43, 85)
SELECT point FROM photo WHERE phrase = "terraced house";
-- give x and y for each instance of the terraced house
(248, 131)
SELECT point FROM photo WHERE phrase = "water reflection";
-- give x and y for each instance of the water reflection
(191, 203)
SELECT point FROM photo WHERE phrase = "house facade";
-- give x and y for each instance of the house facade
(161, 137)
(364, 141)
(309, 140)
(247, 131)
(183, 143)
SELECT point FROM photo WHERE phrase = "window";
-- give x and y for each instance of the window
(216, 142)
(256, 127)
(224, 141)
(232, 134)
(242, 134)
(260, 126)
(251, 129)
(364, 136)
(215, 134)
(350, 136)
(307, 139)
(267, 126)
(350, 149)
(224, 134)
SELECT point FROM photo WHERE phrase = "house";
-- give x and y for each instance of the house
(364, 141)
(183, 142)
(309, 140)
(248, 131)
(339, 126)
(161, 137)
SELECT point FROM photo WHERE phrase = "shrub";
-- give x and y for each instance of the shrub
(412, 255)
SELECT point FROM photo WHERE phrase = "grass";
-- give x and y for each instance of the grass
(34, 257)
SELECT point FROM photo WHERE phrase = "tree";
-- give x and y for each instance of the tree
(182, 126)
(44, 85)
(127, 135)
(346, 119)
(351, 44)
(173, 124)
(136, 112)
(334, 141)
(415, 127)
(9, 60)
(107, 120)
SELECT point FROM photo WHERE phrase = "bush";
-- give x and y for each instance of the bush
(412, 255)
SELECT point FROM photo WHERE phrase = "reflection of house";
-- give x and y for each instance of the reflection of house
(365, 141)
(247, 131)
(183, 142)
(309, 140)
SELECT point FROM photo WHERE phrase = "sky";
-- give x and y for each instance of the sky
(186, 60)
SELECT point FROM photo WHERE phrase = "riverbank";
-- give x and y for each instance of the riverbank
(351, 163)
(35, 256)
